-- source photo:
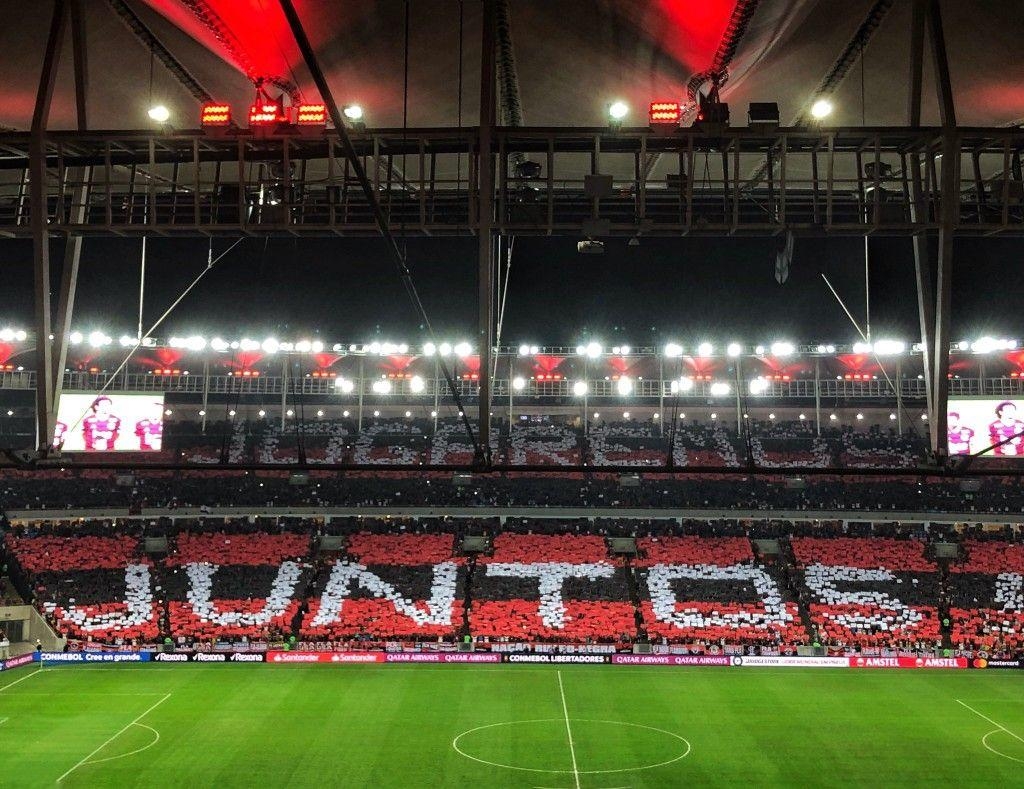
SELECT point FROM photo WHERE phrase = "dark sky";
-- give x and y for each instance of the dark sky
(687, 289)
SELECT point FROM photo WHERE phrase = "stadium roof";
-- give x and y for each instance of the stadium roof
(572, 56)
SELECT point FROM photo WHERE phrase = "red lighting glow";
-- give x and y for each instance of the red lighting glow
(665, 112)
(265, 114)
(311, 115)
(215, 115)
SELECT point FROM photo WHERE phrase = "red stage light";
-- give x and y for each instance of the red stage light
(665, 112)
(266, 114)
(311, 115)
(215, 115)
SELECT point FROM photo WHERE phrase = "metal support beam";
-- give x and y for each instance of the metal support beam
(40, 232)
(78, 52)
(485, 199)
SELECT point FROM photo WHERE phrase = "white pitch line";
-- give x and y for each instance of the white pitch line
(994, 723)
(110, 740)
(568, 730)
(20, 679)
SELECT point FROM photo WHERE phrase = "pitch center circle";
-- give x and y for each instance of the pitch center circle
(468, 745)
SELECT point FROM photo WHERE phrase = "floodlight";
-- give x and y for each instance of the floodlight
(382, 386)
(416, 384)
(289, 412)
(353, 112)
(303, 346)
(524, 350)
(862, 347)
(429, 349)
(705, 349)
(126, 341)
(463, 349)
(673, 350)
(580, 388)
(216, 343)
(624, 386)
(159, 113)
(682, 385)
(519, 383)
(890, 347)
(734, 349)
(20, 335)
(195, 343)
(270, 345)
(720, 389)
(408, 414)
(445, 349)
(262, 413)
(782, 349)
(822, 108)
(344, 384)
(758, 386)
(593, 350)
(617, 111)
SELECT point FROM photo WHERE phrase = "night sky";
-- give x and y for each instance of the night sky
(686, 289)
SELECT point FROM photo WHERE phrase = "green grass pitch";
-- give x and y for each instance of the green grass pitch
(576, 727)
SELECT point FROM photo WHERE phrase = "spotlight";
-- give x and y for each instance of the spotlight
(734, 349)
(416, 384)
(624, 386)
(617, 111)
(159, 113)
(353, 112)
(519, 383)
(822, 108)
(580, 388)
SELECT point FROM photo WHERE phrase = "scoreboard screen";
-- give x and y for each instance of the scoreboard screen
(974, 425)
(114, 422)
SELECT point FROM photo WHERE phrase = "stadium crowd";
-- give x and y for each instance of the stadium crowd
(697, 586)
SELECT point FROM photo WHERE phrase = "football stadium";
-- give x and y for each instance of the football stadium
(588, 394)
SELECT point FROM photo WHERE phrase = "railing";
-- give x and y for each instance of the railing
(582, 182)
(911, 389)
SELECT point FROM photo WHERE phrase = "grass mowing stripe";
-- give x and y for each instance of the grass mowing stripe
(568, 730)
(118, 734)
(986, 717)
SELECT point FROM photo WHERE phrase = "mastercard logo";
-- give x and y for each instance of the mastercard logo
(980, 663)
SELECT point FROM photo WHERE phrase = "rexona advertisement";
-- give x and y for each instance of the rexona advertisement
(208, 657)
(975, 425)
(110, 422)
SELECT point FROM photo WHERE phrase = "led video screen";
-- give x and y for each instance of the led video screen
(975, 425)
(110, 422)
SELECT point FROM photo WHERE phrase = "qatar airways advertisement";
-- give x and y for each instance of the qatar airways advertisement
(974, 425)
(110, 422)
